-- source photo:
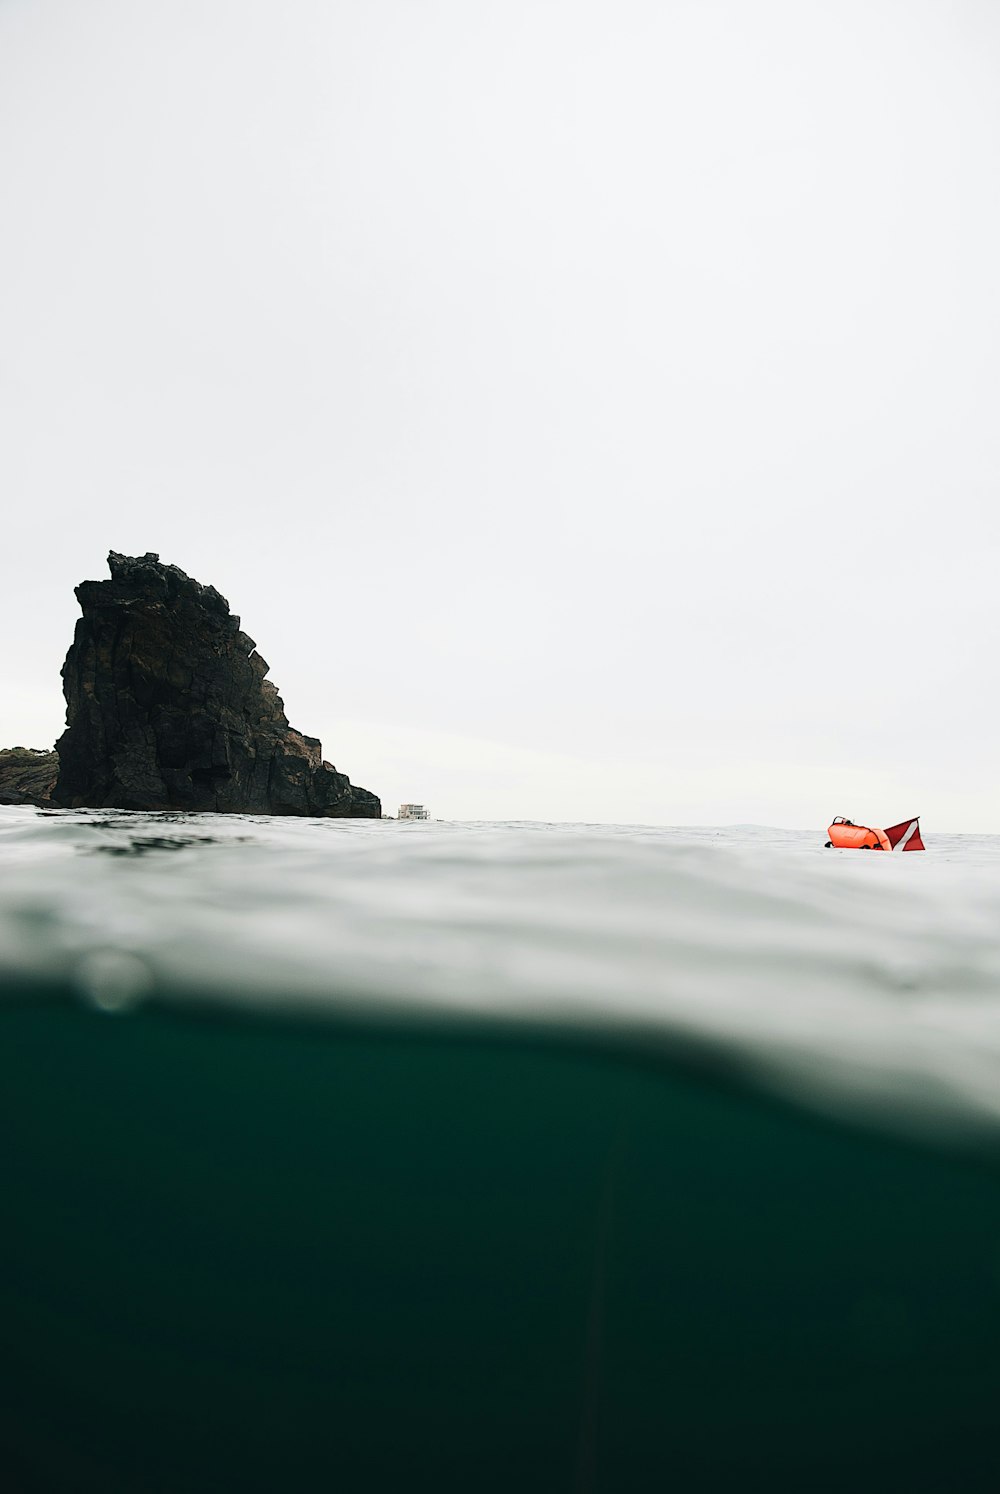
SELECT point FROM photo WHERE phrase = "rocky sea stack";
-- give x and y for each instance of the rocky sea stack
(168, 707)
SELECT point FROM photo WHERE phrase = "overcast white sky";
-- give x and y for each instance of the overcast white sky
(592, 409)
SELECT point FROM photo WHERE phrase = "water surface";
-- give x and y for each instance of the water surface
(362, 1155)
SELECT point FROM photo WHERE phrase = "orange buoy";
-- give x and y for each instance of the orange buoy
(848, 836)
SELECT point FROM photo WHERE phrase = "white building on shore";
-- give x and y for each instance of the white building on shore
(412, 812)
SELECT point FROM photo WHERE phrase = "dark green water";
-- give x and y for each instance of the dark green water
(253, 1254)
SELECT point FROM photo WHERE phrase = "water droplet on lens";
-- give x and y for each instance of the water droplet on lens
(113, 980)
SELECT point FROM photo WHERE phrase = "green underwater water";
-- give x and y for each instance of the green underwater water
(252, 1252)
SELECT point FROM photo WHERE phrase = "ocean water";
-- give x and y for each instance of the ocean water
(347, 1154)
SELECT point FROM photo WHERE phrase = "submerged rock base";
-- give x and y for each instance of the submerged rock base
(169, 707)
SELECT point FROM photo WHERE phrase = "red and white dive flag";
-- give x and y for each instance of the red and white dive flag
(905, 837)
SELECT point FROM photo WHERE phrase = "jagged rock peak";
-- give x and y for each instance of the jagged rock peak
(168, 707)
(148, 574)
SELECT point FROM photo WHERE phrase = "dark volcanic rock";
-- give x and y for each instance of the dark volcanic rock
(27, 776)
(168, 707)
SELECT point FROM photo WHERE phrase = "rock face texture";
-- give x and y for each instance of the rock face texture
(27, 776)
(168, 707)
